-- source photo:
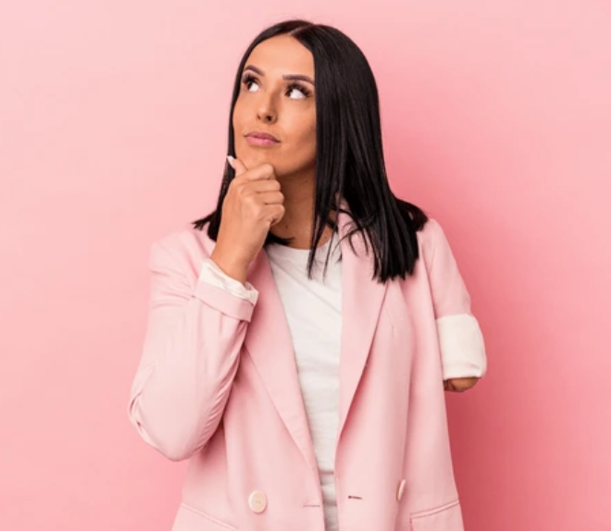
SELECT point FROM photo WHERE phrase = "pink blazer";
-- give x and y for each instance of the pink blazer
(217, 384)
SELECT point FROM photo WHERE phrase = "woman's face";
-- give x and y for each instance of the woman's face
(284, 108)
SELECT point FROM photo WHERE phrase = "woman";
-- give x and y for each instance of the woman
(302, 400)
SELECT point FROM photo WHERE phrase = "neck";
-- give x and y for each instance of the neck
(297, 221)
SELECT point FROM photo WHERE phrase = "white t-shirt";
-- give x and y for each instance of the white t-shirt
(313, 313)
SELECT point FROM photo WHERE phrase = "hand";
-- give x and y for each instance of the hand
(252, 205)
(459, 384)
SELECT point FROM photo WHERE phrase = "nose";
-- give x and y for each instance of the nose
(266, 111)
(266, 115)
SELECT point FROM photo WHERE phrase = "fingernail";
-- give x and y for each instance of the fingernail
(230, 159)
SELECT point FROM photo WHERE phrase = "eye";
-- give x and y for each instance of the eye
(301, 88)
(248, 79)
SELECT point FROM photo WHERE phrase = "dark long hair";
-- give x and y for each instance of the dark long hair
(349, 162)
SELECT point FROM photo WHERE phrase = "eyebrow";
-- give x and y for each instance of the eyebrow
(290, 77)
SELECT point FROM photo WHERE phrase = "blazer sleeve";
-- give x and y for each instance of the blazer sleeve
(190, 356)
(213, 274)
(461, 340)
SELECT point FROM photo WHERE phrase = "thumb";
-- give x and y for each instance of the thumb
(237, 165)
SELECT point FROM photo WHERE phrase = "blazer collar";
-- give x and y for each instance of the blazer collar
(269, 342)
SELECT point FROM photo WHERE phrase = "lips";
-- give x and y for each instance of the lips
(263, 136)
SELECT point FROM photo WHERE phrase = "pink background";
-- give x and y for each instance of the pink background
(497, 120)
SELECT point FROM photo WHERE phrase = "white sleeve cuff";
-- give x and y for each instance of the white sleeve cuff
(213, 274)
(463, 352)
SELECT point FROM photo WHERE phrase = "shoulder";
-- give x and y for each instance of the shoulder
(184, 248)
(429, 237)
(430, 230)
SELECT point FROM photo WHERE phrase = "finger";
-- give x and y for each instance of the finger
(237, 165)
(271, 198)
(277, 212)
(264, 185)
(264, 171)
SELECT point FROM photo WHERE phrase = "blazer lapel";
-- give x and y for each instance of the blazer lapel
(362, 299)
(270, 344)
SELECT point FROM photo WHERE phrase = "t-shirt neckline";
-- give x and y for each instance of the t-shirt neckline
(283, 252)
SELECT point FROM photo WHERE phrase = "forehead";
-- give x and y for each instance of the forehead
(282, 54)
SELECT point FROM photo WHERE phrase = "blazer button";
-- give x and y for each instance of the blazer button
(257, 501)
(400, 490)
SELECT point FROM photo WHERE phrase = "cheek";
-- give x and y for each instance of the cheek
(305, 137)
(301, 151)
(239, 117)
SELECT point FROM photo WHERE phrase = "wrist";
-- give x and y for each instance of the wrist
(231, 265)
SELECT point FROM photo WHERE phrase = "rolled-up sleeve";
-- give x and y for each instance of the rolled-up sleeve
(189, 358)
(461, 340)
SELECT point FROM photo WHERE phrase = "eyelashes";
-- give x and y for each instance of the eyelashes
(249, 78)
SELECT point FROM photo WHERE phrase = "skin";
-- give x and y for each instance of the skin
(459, 385)
(267, 103)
